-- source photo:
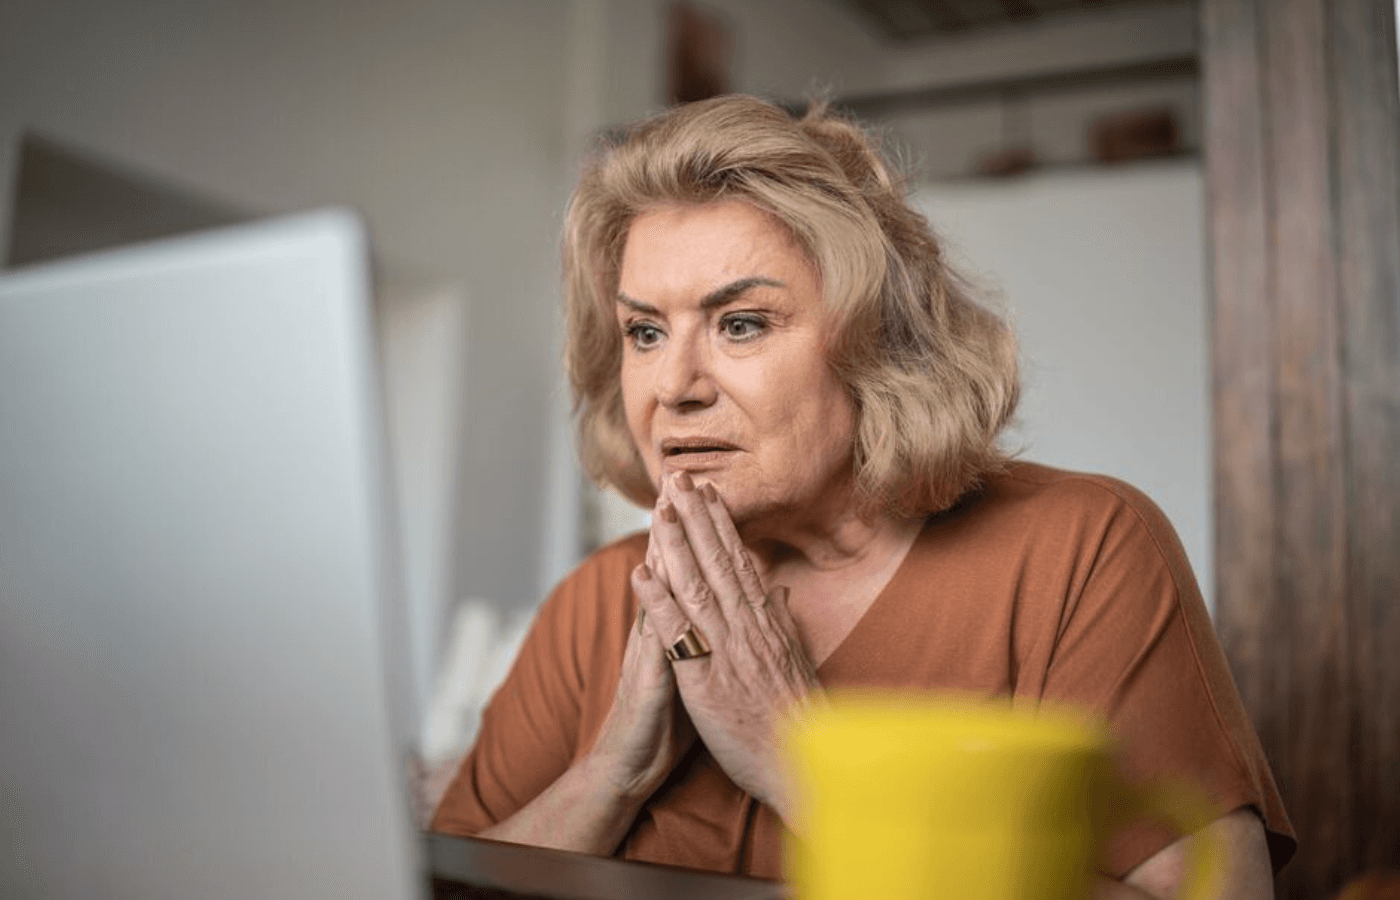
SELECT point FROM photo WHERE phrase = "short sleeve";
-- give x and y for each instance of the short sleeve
(525, 740)
(546, 710)
(1136, 643)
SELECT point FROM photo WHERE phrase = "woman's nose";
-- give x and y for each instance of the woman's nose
(683, 380)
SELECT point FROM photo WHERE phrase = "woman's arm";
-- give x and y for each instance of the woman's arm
(1246, 873)
(1135, 643)
(580, 812)
(592, 805)
(584, 728)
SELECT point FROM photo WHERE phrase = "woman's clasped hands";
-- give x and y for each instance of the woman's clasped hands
(738, 665)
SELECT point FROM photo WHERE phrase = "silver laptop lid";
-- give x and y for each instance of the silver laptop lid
(197, 576)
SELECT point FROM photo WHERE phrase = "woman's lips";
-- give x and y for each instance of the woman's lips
(694, 453)
(695, 462)
(693, 446)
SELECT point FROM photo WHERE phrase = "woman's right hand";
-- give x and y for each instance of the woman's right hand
(591, 807)
(646, 731)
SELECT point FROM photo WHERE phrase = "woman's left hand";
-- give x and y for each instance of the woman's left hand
(757, 672)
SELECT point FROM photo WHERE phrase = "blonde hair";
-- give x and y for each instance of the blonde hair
(932, 374)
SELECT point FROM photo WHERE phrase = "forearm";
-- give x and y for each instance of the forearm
(581, 811)
(1242, 869)
(1112, 889)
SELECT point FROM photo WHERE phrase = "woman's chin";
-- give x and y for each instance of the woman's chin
(753, 518)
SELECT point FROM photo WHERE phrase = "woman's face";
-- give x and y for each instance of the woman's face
(723, 372)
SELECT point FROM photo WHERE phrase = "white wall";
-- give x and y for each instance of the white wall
(1103, 272)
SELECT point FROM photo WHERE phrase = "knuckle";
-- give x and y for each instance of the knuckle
(696, 589)
(744, 565)
(719, 558)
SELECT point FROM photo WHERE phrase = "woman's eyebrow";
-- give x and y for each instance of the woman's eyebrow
(718, 297)
(723, 295)
(645, 309)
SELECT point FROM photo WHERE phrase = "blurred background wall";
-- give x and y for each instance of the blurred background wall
(456, 129)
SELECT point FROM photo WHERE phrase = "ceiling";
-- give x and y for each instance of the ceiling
(913, 19)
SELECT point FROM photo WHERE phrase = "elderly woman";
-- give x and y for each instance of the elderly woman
(768, 348)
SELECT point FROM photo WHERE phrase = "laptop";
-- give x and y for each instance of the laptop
(203, 681)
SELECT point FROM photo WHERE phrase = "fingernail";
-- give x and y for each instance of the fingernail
(668, 513)
(644, 572)
(684, 482)
(707, 491)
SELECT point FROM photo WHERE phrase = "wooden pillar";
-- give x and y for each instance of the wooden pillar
(1303, 183)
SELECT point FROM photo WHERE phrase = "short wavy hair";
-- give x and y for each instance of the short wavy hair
(931, 371)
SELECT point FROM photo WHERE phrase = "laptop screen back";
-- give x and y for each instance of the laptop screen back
(199, 650)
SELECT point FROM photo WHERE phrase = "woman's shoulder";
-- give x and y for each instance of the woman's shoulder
(1053, 512)
(1064, 493)
(1048, 512)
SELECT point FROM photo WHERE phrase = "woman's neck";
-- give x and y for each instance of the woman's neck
(830, 531)
(850, 541)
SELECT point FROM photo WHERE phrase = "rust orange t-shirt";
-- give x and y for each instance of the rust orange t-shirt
(1042, 585)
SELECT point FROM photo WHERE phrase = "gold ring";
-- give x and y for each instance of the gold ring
(688, 646)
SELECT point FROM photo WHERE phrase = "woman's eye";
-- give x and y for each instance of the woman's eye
(742, 327)
(643, 335)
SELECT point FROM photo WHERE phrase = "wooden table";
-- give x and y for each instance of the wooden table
(476, 869)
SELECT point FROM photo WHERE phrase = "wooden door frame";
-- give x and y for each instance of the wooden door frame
(1302, 166)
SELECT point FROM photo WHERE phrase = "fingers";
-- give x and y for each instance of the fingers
(696, 598)
(643, 662)
(704, 558)
(646, 729)
(781, 630)
(728, 537)
(664, 622)
(653, 558)
(777, 608)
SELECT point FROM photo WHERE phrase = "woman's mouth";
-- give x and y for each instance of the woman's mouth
(680, 448)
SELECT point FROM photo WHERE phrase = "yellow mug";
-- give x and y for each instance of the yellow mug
(917, 797)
